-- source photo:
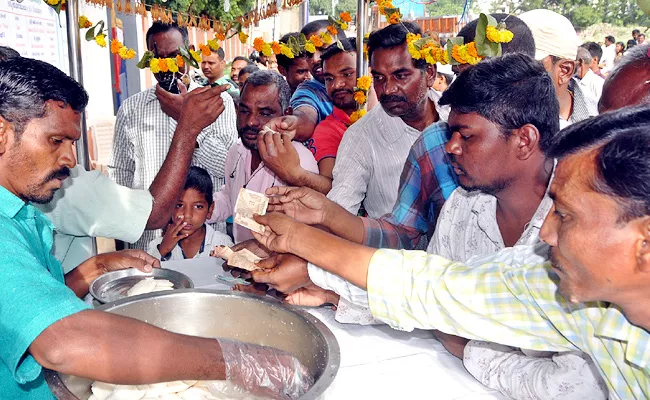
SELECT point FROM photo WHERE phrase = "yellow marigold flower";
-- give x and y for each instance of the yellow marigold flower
(355, 116)
(344, 26)
(445, 57)
(277, 49)
(309, 47)
(345, 16)
(316, 41)
(412, 37)
(205, 50)
(116, 46)
(213, 44)
(364, 82)
(394, 18)
(154, 65)
(52, 2)
(243, 37)
(180, 61)
(258, 44)
(506, 36)
(101, 40)
(327, 38)
(162, 64)
(414, 52)
(122, 51)
(471, 49)
(286, 50)
(172, 65)
(130, 53)
(196, 56)
(221, 36)
(428, 57)
(266, 50)
(496, 35)
(360, 97)
(84, 23)
(332, 30)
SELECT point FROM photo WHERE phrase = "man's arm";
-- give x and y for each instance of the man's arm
(307, 121)
(200, 109)
(215, 140)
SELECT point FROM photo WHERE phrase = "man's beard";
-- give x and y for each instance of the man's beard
(249, 131)
(351, 105)
(33, 194)
(491, 189)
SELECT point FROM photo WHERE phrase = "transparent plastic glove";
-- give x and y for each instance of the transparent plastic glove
(265, 371)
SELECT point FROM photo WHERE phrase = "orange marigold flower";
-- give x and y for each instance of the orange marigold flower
(360, 97)
(258, 44)
(455, 55)
(332, 30)
(205, 50)
(180, 61)
(275, 46)
(221, 36)
(471, 49)
(162, 64)
(116, 45)
(316, 40)
(345, 16)
(394, 18)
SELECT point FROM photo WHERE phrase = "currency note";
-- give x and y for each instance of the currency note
(232, 280)
(222, 252)
(244, 259)
(249, 203)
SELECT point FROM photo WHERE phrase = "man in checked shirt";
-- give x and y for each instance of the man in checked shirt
(146, 123)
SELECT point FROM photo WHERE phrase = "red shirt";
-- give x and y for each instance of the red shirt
(328, 135)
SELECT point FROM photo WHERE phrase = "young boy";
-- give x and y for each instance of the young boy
(187, 235)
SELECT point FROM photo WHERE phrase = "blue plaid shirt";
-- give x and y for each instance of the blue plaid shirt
(313, 94)
(426, 182)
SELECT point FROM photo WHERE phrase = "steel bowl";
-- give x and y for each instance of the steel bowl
(112, 286)
(228, 315)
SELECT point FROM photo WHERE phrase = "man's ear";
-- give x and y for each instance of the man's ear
(288, 111)
(282, 70)
(643, 247)
(431, 74)
(567, 69)
(528, 141)
(7, 134)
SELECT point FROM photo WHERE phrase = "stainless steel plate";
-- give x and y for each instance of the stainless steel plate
(113, 286)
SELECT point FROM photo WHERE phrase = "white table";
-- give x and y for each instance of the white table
(377, 362)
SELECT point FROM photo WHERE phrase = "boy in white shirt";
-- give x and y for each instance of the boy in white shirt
(187, 235)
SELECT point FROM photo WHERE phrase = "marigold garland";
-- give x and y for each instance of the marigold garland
(361, 97)
(97, 34)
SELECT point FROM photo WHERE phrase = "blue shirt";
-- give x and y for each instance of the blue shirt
(427, 181)
(33, 295)
(313, 94)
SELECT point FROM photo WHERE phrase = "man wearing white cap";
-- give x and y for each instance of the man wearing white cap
(556, 46)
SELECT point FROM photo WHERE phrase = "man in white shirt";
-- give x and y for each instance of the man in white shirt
(590, 83)
(609, 54)
(146, 122)
(373, 150)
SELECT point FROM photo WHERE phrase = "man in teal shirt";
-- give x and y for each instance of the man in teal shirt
(43, 323)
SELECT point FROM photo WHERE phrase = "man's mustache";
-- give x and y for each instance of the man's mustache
(391, 98)
(345, 91)
(60, 174)
(249, 131)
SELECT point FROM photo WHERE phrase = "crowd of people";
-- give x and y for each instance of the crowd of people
(505, 206)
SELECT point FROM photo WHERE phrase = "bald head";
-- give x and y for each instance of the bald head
(629, 83)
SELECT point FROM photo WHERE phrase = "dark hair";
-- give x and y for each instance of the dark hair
(25, 86)
(610, 38)
(594, 49)
(241, 58)
(510, 91)
(640, 34)
(622, 141)
(522, 42)
(7, 53)
(158, 27)
(315, 26)
(265, 78)
(200, 180)
(630, 43)
(348, 44)
(221, 53)
(392, 36)
(249, 69)
(284, 61)
(635, 31)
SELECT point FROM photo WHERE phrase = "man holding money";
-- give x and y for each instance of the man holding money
(265, 95)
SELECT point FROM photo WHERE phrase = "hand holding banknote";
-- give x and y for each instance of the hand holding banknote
(248, 204)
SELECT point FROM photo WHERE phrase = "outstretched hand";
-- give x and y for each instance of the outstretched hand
(303, 204)
(279, 232)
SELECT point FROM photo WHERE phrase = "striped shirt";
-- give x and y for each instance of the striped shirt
(509, 298)
(143, 134)
(313, 94)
